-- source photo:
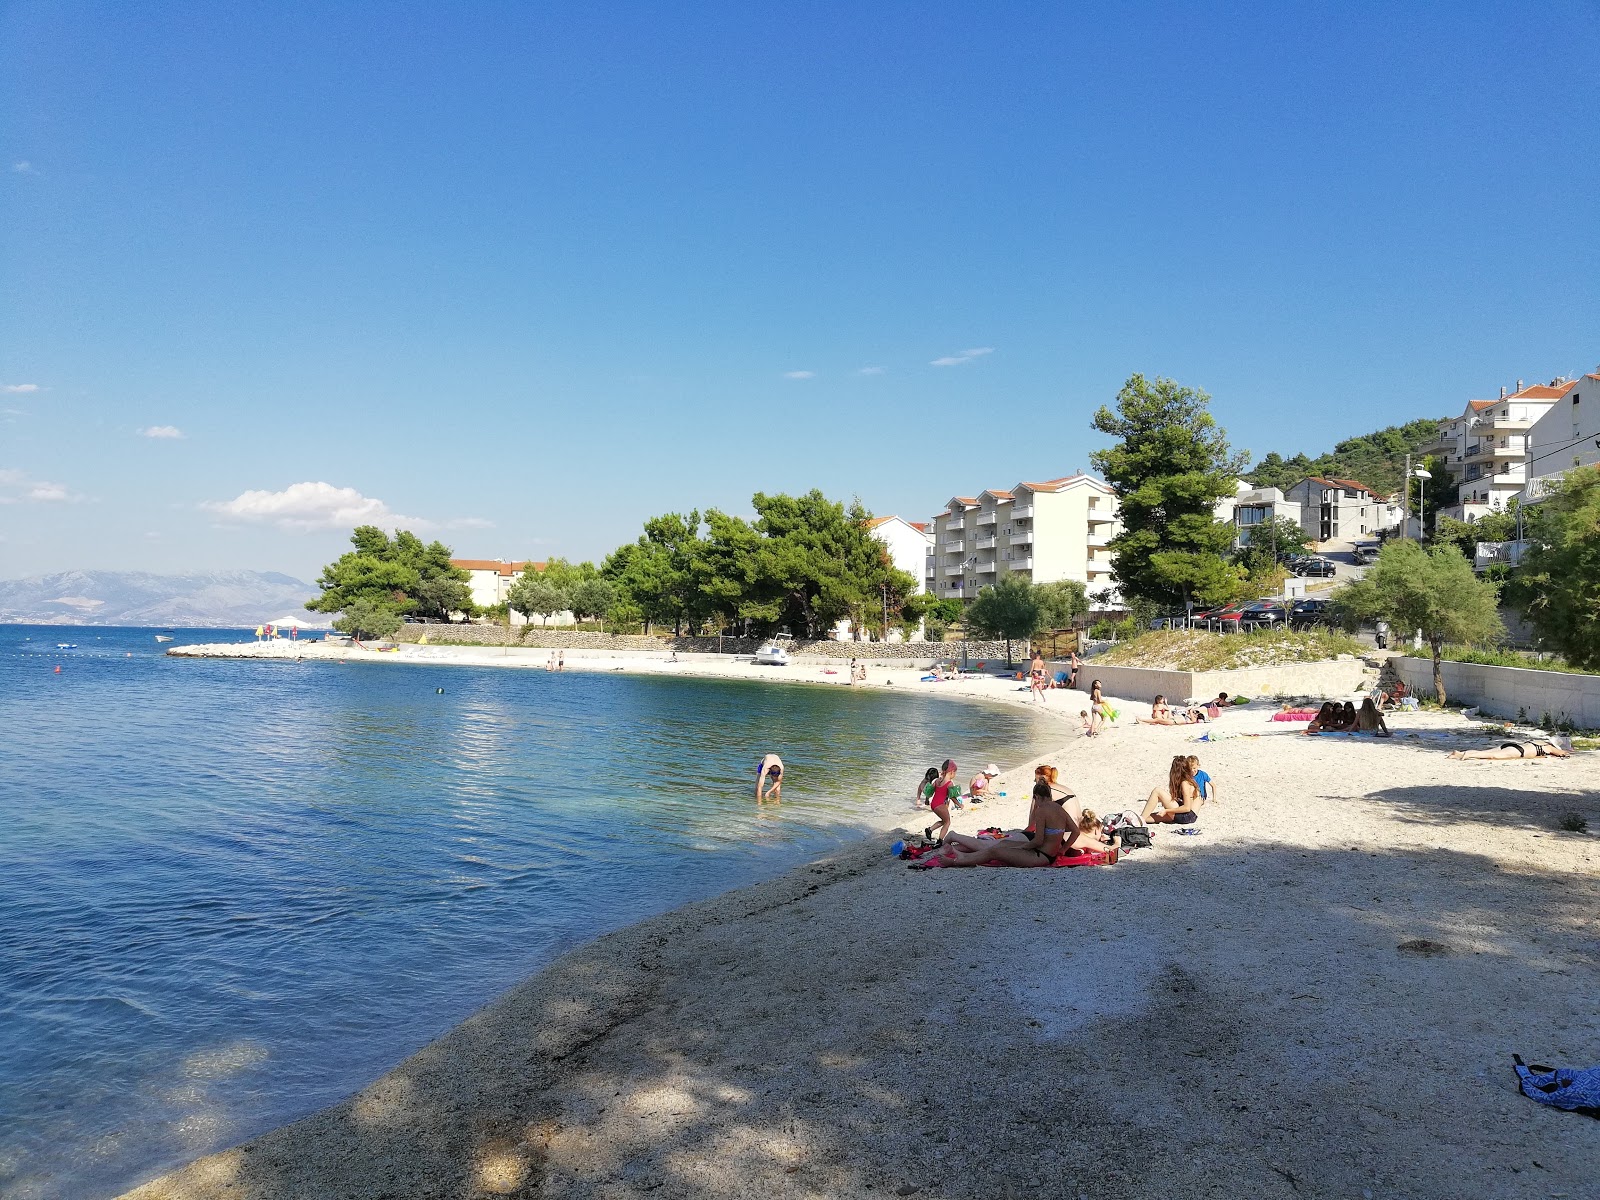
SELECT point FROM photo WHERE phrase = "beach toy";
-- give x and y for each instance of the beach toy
(58, 670)
(897, 849)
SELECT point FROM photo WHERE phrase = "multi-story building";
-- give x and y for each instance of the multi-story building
(1493, 466)
(910, 545)
(1338, 509)
(1566, 436)
(1044, 532)
(1251, 507)
(490, 580)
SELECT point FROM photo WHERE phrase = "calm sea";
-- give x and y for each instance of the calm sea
(233, 892)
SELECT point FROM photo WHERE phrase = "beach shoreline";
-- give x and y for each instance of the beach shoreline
(853, 1028)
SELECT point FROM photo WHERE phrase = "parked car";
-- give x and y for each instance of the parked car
(1314, 566)
(1368, 554)
(1263, 612)
(771, 655)
(1308, 613)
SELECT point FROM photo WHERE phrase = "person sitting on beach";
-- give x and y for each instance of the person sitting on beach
(1347, 717)
(1392, 697)
(939, 802)
(1326, 719)
(1050, 826)
(1512, 751)
(1162, 713)
(978, 789)
(769, 778)
(1088, 725)
(1370, 720)
(1178, 802)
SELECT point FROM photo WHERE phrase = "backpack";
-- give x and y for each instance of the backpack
(1130, 832)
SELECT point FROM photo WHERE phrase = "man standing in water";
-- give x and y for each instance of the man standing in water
(769, 778)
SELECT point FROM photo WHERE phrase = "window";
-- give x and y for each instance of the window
(1349, 494)
(1094, 501)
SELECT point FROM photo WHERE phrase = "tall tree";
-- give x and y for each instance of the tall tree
(1010, 609)
(1558, 585)
(534, 595)
(1169, 468)
(1432, 590)
(1271, 543)
(403, 575)
(1061, 603)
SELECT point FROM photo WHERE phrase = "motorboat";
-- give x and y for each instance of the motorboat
(771, 655)
(161, 637)
(66, 645)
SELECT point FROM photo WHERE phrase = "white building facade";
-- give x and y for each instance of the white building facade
(1565, 437)
(490, 580)
(1044, 532)
(1333, 510)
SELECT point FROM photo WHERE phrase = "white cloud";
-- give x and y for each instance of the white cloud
(871, 371)
(17, 487)
(305, 507)
(964, 357)
(799, 374)
(161, 431)
(19, 387)
(24, 168)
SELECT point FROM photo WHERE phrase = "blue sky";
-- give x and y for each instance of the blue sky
(530, 275)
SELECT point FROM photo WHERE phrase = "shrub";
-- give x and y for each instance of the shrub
(1573, 823)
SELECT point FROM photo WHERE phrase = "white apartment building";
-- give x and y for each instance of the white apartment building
(1486, 448)
(1338, 509)
(1045, 532)
(910, 546)
(490, 580)
(1566, 436)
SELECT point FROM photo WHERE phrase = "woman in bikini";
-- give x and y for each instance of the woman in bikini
(1370, 720)
(1162, 713)
(1036, 677)
(1325, 721)
(1179, 802)
(1511, 751)
(1099, 710)
(1050, 825)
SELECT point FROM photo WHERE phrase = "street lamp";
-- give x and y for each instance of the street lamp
(1422, 475)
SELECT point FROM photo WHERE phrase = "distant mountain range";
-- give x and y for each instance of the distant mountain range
(210, 599)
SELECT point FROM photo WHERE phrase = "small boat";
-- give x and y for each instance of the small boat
(66, 645)
(161, 637)
(771, 655)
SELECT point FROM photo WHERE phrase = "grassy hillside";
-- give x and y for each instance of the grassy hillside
(1375, 459)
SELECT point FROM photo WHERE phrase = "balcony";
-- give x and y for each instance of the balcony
(1477, 451)
(953, 589)
(1021, 512)
(955, 523)
(1098, 517)
(984, 541)
(1506, 424)
(1097, 541)
(1025, 538)
(987, 518)
(1020, 564)
(1509, 448)
(954, 545)
(985, 568)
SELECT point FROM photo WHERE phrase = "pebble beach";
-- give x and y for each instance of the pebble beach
(1317, 995)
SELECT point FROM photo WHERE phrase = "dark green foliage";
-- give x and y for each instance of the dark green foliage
(1375, 459)
(1010, 609)
(1169, 468)
(1271, 544)
(1061, 603)
(1498, 526)
(1573, 822)
(366, 618)
(805, 563)
(402, 575)
(1558, 584)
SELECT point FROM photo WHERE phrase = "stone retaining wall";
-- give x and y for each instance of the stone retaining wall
(1516, 693)
(535, 637)
(1329, 679)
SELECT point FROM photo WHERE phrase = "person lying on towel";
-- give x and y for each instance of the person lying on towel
(1050, 827)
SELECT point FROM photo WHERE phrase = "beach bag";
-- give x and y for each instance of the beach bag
(1130, 832)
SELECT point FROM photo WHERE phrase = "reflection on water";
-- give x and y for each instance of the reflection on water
(236, 891)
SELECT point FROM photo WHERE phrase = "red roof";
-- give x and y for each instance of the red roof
(1480, 405)
(1542, 391)
(1056, 485)
(494, 564)
(1341, 483)
(919, 526)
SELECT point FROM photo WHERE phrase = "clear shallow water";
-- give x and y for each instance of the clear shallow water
(233, 892)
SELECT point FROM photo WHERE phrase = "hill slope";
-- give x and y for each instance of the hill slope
(1375, 459)
(213, 598)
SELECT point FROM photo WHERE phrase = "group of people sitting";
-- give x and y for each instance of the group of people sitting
(1334, 717)
(1162, 713)
(1059, 826)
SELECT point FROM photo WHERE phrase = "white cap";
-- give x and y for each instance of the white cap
(991, 769)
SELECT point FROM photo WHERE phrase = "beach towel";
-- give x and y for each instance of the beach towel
(1296, 714)
(1560, 1087)
(1081, 858)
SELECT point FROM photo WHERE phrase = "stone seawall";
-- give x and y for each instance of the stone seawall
(556, 638)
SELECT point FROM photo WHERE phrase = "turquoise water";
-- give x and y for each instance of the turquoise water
(236, 891)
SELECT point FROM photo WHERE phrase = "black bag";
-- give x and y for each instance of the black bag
(1133, 837)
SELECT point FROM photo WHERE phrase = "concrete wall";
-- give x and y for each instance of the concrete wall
(588, 639)
(1516, 693)
(1337, 678)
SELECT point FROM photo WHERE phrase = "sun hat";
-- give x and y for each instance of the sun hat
(991, 769)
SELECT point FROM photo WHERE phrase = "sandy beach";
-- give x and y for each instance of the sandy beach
(1317, 995)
